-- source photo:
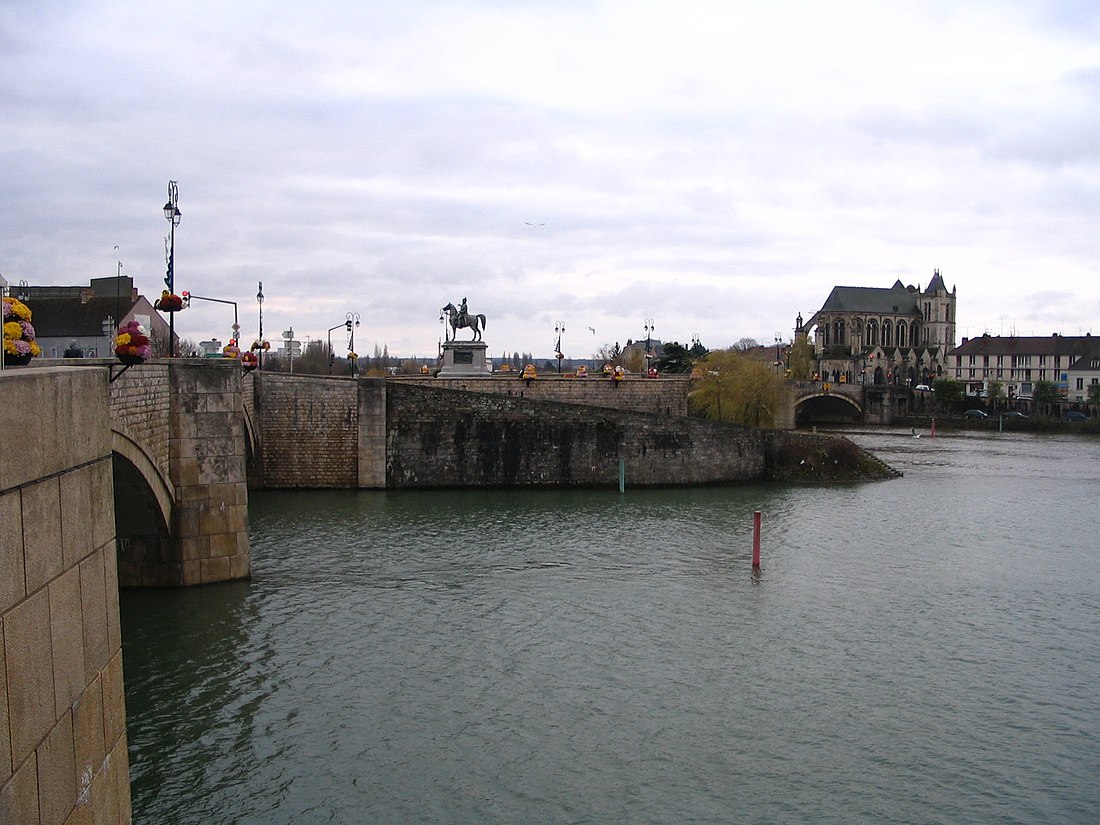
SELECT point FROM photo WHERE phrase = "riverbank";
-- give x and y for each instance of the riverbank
(822, 458)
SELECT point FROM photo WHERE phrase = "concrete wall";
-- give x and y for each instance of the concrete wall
(62, 710)
(439, 438)
(666, 395)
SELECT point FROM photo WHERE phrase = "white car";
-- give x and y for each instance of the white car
(923, 388)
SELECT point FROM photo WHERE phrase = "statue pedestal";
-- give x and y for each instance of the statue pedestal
(464, 358)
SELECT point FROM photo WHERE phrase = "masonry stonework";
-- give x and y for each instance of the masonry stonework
(667, 395)
(62, 714)
(310, 431)
(438, 437)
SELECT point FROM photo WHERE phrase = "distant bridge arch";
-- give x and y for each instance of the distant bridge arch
(817, 405)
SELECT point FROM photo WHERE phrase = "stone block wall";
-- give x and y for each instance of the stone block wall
(666, 395)
(207, 463)
(442, 438)
(62, 711)
(140, 401)
(310, 430)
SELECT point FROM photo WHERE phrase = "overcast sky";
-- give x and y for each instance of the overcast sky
(715, 167)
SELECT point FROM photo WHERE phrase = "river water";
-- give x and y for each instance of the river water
(920, 650)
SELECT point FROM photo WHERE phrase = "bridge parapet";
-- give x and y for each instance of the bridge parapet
(62, 713)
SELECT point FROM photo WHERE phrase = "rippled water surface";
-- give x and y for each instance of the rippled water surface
(920, 650)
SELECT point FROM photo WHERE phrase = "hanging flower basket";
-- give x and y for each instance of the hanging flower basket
(249, 361)
(168, 302)
(19, 339)
(132, 344)
(231, 351)
(257, 345)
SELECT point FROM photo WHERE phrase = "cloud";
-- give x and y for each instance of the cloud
(717, 167)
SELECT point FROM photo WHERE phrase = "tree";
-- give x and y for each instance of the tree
(801, 361)
(610, 354)
(1094, 393)
(676, 359)
(948, 390)
(1045, 392)
(996, 392)
(745, 345)
(736, 389)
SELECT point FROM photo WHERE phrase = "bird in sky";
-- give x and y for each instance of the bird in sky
(593, 330)
(536, 225)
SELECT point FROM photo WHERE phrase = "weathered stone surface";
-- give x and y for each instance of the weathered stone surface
(57, 787)
(29, 661)
(67, 638)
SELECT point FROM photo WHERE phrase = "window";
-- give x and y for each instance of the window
(887, 334)
(1081, 383)
(971, 360)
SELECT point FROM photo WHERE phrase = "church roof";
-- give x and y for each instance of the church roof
(896, 300)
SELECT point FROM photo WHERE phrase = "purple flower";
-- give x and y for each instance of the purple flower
(28, 330)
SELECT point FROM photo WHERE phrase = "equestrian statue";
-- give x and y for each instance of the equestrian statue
(459, 317)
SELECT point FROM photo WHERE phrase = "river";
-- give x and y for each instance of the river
(919, 650)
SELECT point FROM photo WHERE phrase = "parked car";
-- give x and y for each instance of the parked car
(1075, 415)
(923, 388)
(1014, 414)
(976, 414)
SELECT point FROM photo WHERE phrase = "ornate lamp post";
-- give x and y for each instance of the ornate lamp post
(352, 316)
(648, 346)
(778, 353)
(172, 215)
(559, 328)
(260, 301)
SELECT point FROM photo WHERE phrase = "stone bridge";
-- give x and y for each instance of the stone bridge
(154, 458)
(830, 402)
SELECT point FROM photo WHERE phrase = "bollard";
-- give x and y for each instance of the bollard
(933, 428)
(756, 541)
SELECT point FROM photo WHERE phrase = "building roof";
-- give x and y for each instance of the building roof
(1072, 345)
(898, 300)
(68, 317)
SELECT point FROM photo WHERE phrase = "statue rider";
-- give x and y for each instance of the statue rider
(463, 315)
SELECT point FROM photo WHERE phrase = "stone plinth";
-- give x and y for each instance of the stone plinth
(462, 358)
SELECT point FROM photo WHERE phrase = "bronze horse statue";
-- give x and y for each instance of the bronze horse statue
(458, 319)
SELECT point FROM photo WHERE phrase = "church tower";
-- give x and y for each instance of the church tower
(938, 312)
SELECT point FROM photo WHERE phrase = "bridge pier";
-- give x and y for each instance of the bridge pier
(185, 421)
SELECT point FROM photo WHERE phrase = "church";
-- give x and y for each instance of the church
(871, 335)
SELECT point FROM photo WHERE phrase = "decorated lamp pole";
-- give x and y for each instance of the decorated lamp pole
(172, 215)
(260, 301)
(559, 328)
(648, 344)
(348, 320)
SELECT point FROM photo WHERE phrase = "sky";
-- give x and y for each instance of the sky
(707, 169)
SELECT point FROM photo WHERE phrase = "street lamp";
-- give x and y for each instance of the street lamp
(351, 316)
(648, 347)
(559, 328)
(331, 357)
(172, 215)
(188, 297)
(778, 355)
(260, 301)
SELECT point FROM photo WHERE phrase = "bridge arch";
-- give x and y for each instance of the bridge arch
(827, 407)
(132, 466)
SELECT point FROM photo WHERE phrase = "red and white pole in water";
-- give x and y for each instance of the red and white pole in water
(933, 428)
(756, 540)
